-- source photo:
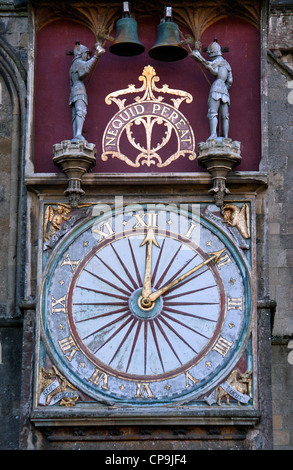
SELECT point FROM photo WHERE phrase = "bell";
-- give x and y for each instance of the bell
(126, 42)
(168, 47)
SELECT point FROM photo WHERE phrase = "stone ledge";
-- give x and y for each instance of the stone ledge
(106, 416)
(255, 179)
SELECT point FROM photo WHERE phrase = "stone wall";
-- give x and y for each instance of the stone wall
(5, 195)
(13, 59)
(280, 215)
(282, 397)
(10, 392)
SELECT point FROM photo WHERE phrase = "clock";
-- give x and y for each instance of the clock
(146, 303)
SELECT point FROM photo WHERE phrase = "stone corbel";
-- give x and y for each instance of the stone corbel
(219, 157)
(74, 159)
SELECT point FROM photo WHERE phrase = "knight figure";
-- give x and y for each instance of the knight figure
(81, 66)
(219, 99)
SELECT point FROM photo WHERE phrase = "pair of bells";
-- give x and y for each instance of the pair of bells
(167, 47)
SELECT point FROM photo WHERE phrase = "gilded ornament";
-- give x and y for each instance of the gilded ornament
(55, 388)
(54, 219)
(240, 382)
(59, 219)
(238, 217)
(147, 111)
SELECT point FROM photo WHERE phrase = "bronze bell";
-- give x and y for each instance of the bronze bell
(168, 47)
(126, 42)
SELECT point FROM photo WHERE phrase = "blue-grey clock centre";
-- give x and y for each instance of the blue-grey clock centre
(146, 304)
(144, 313)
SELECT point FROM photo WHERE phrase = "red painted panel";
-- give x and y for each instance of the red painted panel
(53, 114)
(243, 41)
(52, 111)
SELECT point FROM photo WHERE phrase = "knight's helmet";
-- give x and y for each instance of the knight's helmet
(79, 49)
(214, 49)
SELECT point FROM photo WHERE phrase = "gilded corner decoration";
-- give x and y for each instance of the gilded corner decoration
(148, 111)
(54, 388)
(58, 219)
(238, 217)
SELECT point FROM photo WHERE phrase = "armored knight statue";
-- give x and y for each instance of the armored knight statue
(81, 66)
(219, 100)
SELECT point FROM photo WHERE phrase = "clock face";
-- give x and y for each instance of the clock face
(146, 303)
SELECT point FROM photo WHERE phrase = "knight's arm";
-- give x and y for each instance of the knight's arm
(229, 80)
(196, 55)
(89, 64)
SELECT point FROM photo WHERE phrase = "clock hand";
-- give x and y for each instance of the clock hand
(215, 257)
(147, 283)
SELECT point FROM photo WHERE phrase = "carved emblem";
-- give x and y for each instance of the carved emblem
(54, 219)
(55, 388)
(147, 113)
(59, 219)
(240, 388)
(239, 218)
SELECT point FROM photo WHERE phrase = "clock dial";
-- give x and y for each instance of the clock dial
(146, 304)
(121, 335)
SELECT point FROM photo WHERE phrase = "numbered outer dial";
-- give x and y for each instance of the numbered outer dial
(112, 347)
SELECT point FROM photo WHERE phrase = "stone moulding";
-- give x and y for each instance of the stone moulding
(246, 181)
(182, 416)
(74, 159)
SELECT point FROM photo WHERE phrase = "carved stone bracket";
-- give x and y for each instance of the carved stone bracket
(219, 157)
(74, 159)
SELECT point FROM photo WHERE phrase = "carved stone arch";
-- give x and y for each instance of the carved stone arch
(196, 17)
(12, 164)
(98, 18)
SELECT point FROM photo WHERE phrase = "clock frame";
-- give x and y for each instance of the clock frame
(151, 357)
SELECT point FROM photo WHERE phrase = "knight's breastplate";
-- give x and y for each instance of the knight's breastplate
(77, 89)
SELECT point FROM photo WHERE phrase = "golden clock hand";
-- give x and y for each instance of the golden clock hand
(147, 282)
(215, 257)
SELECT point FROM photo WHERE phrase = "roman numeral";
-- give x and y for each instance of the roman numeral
(189, 377)
(70, 262)
(58, 305)
(235, 303)
(141, 389)
(150, 222)
(222, 346)
(104, 231)
(68, 347)
(223, 260)
(190, 230)
(98, 377)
